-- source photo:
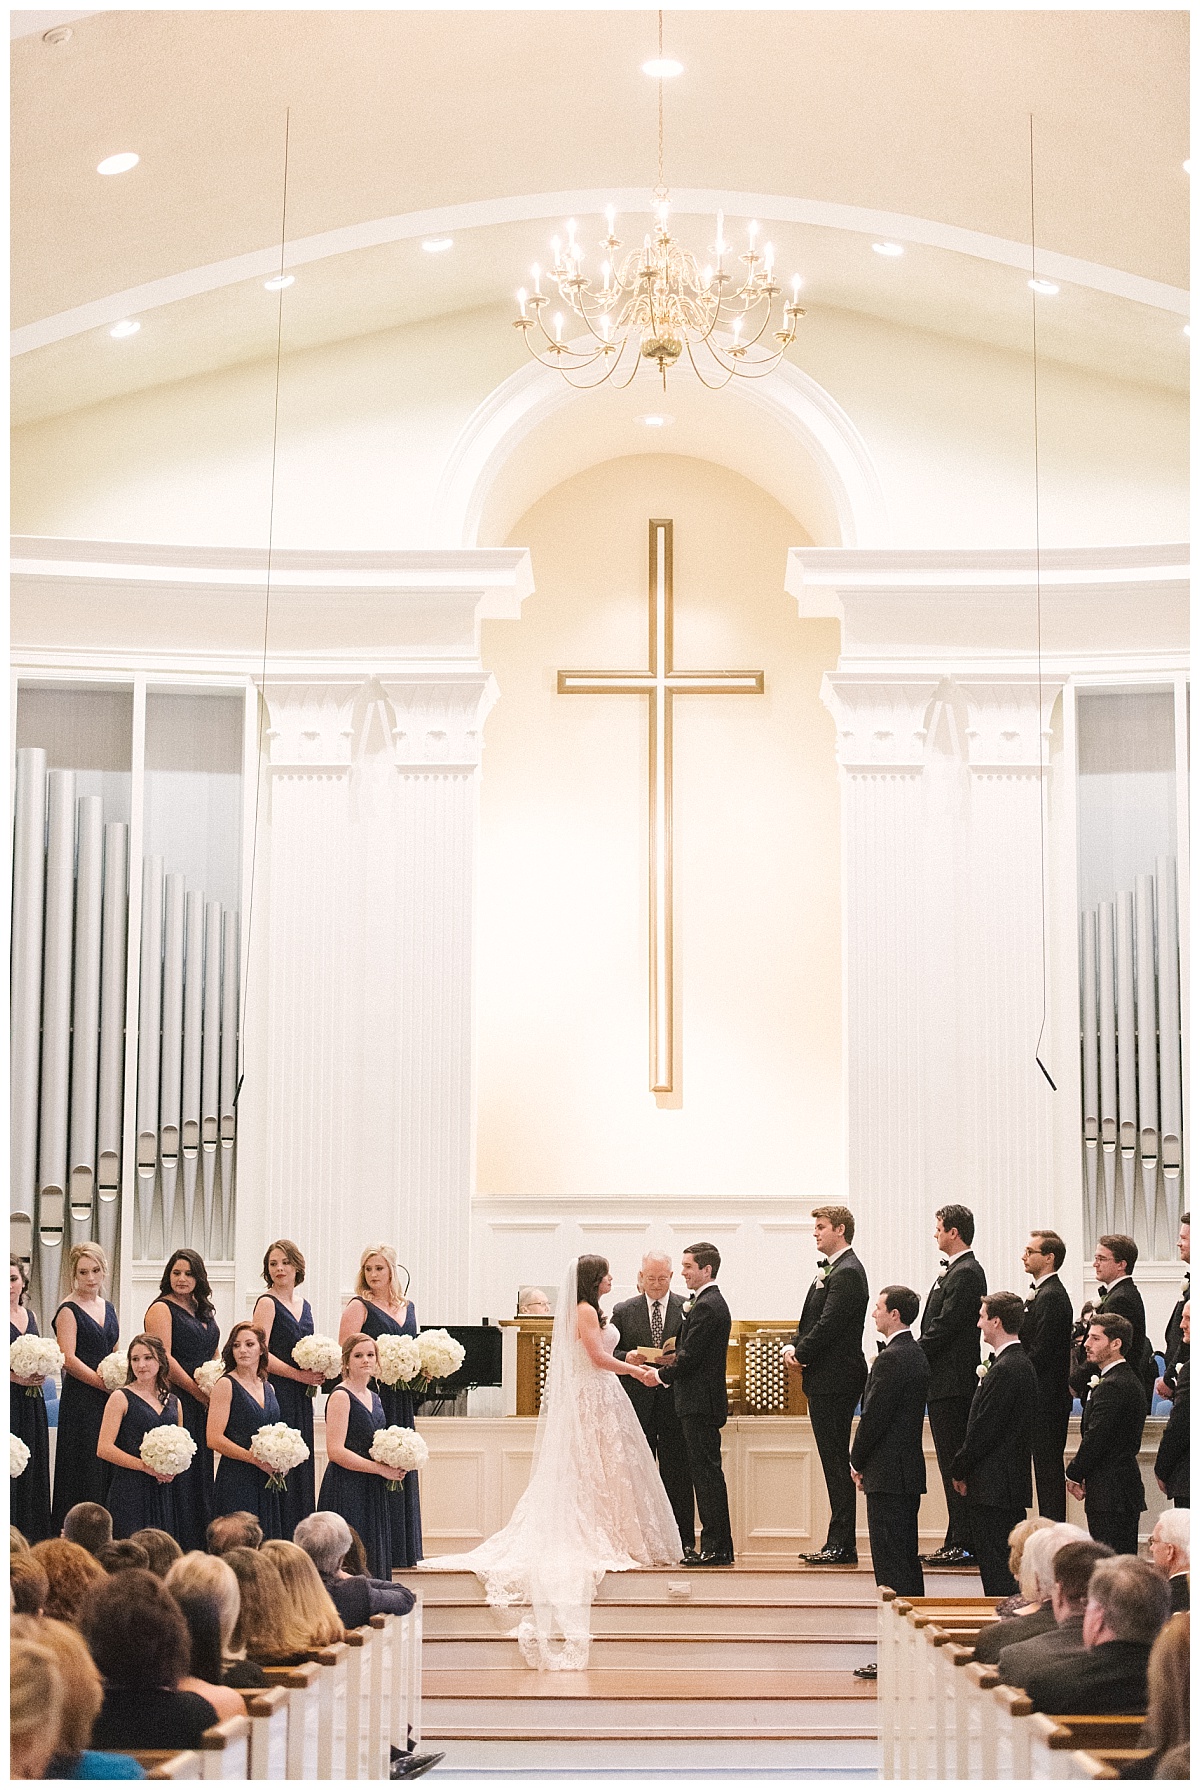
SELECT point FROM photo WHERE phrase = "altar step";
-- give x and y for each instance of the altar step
(797, 1618)
(717, 1651)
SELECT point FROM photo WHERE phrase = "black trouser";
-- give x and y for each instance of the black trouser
(892, 1526)
(948, 1425)
(660, 1426)
(990, 1526)
(1119, 1528)
(831, 1416)
(702, 1436)
(1050, 1420)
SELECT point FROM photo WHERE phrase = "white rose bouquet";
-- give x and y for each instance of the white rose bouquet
(441, 1356)
(18, 1456)
(167, 1449)
(396, 1447)
(114, 1370)
(317, 1355)
(399, 1359)
(208, 1373)
(278, 1448)
(31, 1355)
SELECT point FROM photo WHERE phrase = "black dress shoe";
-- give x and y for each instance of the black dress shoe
(831, 1557)
(715, 1560)
(691, 1556)
(866, 1671)
(415, 1765)
(949, 1557)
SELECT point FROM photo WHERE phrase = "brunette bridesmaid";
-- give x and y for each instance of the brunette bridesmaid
(242, 1402)
(355, 1485)
(139, 1498)
(29, 1503)
(284, 1316)
(184, 1321)
(87, 1330)
(380, 1308)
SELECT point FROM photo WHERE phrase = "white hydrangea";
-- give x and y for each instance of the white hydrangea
(399, 1359)
(114, 1370)
(397, 1447)
(167, 1449)
(279, 1448)
(18, 1456)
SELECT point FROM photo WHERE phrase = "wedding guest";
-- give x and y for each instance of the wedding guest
(88, 1524)
(993, 1468)
(1168, 1726)
(242, 1402)
(311, 1606)
(1037, 1588)
(205, 1673)
(29, 1494)
(83, 1695)
(1105, 1467)
(17, 1543)
(35, 1707)
(950, 1339)
(184, 1320)
(356, 1554)
(355, 1485)
(533, 1303)
(139, 1640)
(162, 1550)
(209, 1576)
(1046, 1338)
(1073, 1567)
(87, 1330)
(828, 1349)
(696, 1371)
(267, 1629)
(1178, 1348)
(71, 1572)
(887, 1460)
(239, 1529)
(1128, 1603)
(380, 1307)
(1018, 1604)
(325, 1538)
(28, 1584)
(123, 1556)
(138, 1497)
(1170, 1550)
(1173, 1462)
(284, 1316)
(648, 1320)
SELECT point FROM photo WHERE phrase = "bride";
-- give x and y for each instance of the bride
(594, 1502)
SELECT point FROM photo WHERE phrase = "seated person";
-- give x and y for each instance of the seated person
(240, 1529)
(533, 1303)
(325, 1537)
(82, 1697)
(266, 1630)
(1073, 1566)
(120, 1556)
(17, 1543)
(29, 1586)
(1037, 1585)
(1018, 1604)
(1128, 1603)
(1170, 1550)
(311, 1605)
(88, 1525)
(71, 1572)
(138, 1638)
(35, 1705)
(1168, 1726)
(162, 1550)
(205, 1676)
(209, 1575)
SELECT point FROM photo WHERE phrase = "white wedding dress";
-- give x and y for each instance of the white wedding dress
(594, 1504)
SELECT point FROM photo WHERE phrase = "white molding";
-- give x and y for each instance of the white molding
(882, 722)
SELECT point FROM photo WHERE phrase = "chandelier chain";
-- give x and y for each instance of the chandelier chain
(661, 190)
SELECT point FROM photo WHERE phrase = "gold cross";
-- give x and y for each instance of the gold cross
(661, 683)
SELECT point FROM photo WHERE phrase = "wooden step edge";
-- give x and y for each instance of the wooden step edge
(677, 1603)
(685, 1737)
(719, 1637)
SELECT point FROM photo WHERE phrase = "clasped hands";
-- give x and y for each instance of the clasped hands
(647, 1374)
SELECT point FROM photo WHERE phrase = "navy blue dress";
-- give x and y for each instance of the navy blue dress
(398, 1408)
(193, 1340)
(363, 1498)
(80, 1476)
(29, 1506)
(136, 1500)
(296, 1409)
(239, 1486)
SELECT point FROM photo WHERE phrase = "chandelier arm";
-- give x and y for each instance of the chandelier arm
(559, 349)
(555, 365)
(708, 386)
(591, 384)
(623, 384)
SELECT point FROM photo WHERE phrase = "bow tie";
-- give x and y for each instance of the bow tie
(1103, 1295)
(822, 1261)
(942, 1262)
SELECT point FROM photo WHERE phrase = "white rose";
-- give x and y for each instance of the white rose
(1095, 1380)
(114, 1370)
(18, 1456)
(208, 1373)
(981, 1370)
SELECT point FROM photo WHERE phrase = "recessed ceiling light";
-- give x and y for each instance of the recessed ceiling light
(656, 420)
(58, 34)
(1047, 288)
(437, 245)
(279, 282)
(129, 327)
(662, 68)
(887, 248)
(118, 164)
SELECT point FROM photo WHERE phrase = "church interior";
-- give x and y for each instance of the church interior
(409, 410)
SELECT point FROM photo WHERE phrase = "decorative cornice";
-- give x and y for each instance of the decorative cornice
(1008, 723)
(439, 720)
(881, 721)
(311, 729)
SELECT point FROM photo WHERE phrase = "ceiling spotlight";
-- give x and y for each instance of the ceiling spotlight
(437, 245)
(662, 68)
(656, 420)
(279, 282)
(129, 327)
(58, 34)
(891, 249)
(1047, 288)
(118, 164)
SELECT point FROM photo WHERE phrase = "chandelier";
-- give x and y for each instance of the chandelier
(657, 304)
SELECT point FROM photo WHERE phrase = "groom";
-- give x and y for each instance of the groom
(696, 1372)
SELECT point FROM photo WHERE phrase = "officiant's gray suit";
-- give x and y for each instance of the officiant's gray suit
(655, 1405)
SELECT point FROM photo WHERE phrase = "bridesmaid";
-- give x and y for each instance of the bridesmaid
(87, 1330)
(29, 1504)
(139, 1498)
(379, 1308)
(183, 1319)
(354, 1485)
(284, 1317)
(242, 1402)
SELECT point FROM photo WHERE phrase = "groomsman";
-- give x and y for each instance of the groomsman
(1176, 1351)
(950, 1339)
(649, 1320)
(1172, 1464)
(828, 1346)
(696, 1372)
(1105, 1468)
(1046, 1339)
(1114, 1262)
(887, 1460)
(992, 1468)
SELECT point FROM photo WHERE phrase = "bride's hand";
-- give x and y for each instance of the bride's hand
(648, 1377)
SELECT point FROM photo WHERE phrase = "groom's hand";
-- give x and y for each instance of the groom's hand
(650, 1377)
(635, 1355)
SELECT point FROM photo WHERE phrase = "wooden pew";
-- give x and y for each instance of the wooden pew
(302, 1684)
(268, 1712)
(161, 1762)
(331, 1705)
(1053, 1737)
(225, 1749)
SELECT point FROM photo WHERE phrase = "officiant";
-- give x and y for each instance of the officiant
(646, 1324)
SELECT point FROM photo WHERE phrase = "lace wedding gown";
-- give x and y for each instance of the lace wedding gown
(594, 1504)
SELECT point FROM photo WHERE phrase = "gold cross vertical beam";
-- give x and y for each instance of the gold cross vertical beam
(661, 683)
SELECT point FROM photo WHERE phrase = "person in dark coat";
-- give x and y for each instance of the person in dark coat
(887, 1460)
(697, 1371)
(1046, 1339)
(1036, 1578)
(647, 1321)
(992, 1470)
(1177, 1348)
(1114, 1261)
(1171, 1552)
(1073, 1567)
(1128, 1603)
(950, 1339)
(1172, 1464)
(1105, 1470)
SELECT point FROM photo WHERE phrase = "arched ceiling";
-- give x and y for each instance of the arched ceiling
(833, 127)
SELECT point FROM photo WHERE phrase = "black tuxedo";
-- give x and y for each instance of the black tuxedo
(1106, 1680)
(655, 1406)
(888, 1453)
(1126, 1301)
(1046, 1338)
(1176, 1351)
(950, 1339)
(697, 1377)
(1106, 1464)
(828, 1345)
(1019, 1662)
(994, 1460)
(1172, 1464)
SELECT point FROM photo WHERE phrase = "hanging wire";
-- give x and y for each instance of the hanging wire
(1037, 551)
(287, 128)
(661, 188)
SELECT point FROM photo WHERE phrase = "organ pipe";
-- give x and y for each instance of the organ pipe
(174, 924)
(229, 1070)
(149, 1040)
(1091, 1066)
(193, 1022)
(1170, 1067)
(1147, 1044)
(1108, 1052)
(85, 1039)
(210, 1073)
(56, 1030)
(1126, 1051)
(110, 1103)
(29, 875)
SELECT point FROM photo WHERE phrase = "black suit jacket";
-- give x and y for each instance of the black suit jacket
(996, 1454)
(828, 1341)
(698, 1370)
(1105, 1680)
(632, 1320)
(1181, 1593)
(1176, 1351)
(1172, 1464)
(992, 1641)
(1046, 1339)
(1019, 1662)
(887, 1448)
(1110, 1434)
(949, 1333)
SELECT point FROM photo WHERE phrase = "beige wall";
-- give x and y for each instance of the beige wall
(564, 1106)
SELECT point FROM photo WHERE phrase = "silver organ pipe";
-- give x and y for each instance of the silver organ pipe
(56, 1031)
(149, 1041)
(1126, 1053)
(1105, 945)
(85, 1029)
(1147, 1044)
(210, 1071)
(1091, 1069)
(111, 1095)
(193, 1023)
(29, 879)
(174, 925)
(229, 1070)
(1170, 1067)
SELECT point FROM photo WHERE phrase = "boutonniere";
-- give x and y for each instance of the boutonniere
(943, 1270)
(1185, 1286)
(1094, 1381)
(984, 1368)
(688, 1303)
(822, 1272)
